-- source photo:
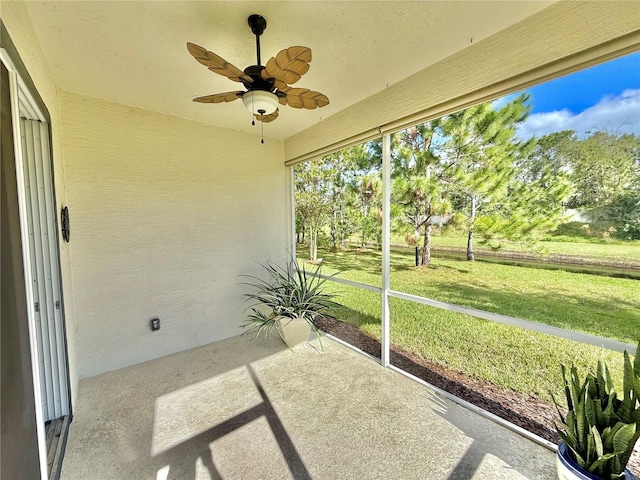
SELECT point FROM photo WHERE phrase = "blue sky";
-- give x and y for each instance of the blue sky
(604, 97)
(583, 89)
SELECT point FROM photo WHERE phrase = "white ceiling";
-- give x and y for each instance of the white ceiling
(135, 52)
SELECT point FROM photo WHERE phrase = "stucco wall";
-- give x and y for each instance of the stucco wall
(165, 214)
(18, 24)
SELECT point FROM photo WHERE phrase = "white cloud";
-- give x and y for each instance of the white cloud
(615, 114)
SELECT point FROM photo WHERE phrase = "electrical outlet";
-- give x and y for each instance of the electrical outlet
(155, 324)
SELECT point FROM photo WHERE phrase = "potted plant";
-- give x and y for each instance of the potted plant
(288, 300)
(601, 426)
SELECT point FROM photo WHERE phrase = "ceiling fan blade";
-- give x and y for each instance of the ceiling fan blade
(217, 64)
(288, 65)
(305, 98)
(267, 118)
(219, 97)
(280, 85)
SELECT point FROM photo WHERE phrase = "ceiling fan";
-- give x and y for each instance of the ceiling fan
(266, 85)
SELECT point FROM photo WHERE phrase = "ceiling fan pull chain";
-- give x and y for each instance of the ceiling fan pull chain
(261, 131)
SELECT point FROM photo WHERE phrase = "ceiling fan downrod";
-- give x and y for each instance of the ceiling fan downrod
(258, 25)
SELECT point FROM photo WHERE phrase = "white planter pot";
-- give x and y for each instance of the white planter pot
(293, 330)
(569, 470)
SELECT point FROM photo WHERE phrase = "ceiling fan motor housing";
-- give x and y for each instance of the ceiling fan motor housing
(259, 83)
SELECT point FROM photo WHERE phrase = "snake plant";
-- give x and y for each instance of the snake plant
(601, 426)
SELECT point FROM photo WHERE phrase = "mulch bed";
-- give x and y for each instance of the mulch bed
(526, 411)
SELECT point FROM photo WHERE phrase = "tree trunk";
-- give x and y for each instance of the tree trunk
(313, 245)
(363, 224)
(470, 236)
(334, 232)
(426, 246)
(424, 256)
(343, 240)
(416, 236)
(426, 243)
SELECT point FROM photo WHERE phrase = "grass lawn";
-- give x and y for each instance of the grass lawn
(603, 306)
(507, 356)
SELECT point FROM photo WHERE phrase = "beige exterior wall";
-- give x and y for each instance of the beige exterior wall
(16, 20)
(558, 33)
(165, 214)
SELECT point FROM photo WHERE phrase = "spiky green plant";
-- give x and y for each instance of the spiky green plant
(287, 291)
(600, 429)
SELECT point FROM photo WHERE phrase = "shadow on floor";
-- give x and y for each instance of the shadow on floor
(470, 463)
(180, 461)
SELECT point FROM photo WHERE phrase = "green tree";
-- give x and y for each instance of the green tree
(604, 167)
(368, 190)
(417, 189)
(312, 202)
(622, 213)
(341, 221)
(480, 148)
(530, 207)
(339, 195)
(607, 180)
(603, 170)
(365, 184)
(552, 153)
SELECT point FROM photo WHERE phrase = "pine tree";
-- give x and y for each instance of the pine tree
(417, 190)
(479, 150)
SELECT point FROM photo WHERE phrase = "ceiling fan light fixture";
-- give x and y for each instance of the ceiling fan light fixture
(260, 102)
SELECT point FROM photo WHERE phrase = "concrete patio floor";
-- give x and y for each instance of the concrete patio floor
(241, 409)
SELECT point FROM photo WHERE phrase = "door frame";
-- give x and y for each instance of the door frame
(22, 88)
